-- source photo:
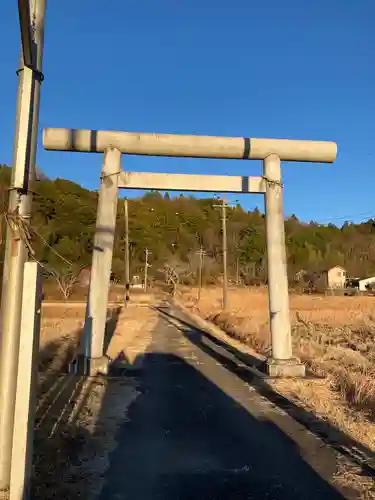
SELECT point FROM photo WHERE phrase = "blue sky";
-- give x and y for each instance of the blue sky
(293, 69)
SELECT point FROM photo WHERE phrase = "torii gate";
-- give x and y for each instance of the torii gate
(271, 151)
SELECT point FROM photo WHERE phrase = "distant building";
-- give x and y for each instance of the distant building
(336, 277)
(365, 283)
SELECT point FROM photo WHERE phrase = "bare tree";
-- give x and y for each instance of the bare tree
(66, 280)
(171, 277)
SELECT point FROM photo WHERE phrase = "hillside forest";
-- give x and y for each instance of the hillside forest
(174, 228)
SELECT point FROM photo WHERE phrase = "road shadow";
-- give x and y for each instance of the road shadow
(233, 359)
(185, 438)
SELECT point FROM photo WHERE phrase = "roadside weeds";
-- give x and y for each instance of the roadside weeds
(344, 356)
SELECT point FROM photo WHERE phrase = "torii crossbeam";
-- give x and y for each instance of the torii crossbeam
(271, 151)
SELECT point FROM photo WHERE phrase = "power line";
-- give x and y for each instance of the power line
(349, 218)
(49, 246)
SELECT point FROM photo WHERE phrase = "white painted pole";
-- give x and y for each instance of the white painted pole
(96, 312)
(277, 268)
(25, 144)
(22, 448)
(282, 363)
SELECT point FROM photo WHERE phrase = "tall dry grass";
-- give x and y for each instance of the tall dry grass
(333, 336)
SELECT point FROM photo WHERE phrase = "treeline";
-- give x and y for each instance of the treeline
(174, 229)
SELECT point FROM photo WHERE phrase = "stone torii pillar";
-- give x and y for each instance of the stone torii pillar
(281, 363)
(97, 304)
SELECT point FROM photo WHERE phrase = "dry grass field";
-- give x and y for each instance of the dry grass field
(333, 336)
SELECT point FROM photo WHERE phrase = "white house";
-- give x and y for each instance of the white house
(336, 277)
(364, 282)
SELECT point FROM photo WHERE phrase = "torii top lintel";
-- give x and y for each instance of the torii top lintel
(193, 146)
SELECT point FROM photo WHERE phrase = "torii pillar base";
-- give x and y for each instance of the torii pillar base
(285, 368)
(90, 367)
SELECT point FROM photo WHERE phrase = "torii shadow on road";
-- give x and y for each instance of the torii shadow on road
(234, 360)
(197, 431)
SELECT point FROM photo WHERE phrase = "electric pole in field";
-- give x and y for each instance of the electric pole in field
(239, 252)
(147, 265)
(30, 76)
(201, 254)
(223, 207)
(127, 259)
(237, 271)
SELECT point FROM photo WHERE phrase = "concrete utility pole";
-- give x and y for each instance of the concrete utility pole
(239, 251)
(97, 305)
(223, 206)
(201, 254)
(32, 15)
(127, 260)
(147, 253)
(225, 252)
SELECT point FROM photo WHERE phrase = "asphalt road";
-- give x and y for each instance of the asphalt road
(198, 431)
